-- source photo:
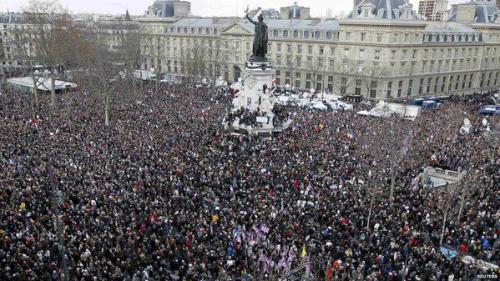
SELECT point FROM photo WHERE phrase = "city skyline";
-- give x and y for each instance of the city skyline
(198, 7)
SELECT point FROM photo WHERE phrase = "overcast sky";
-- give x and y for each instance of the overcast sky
(198, 7)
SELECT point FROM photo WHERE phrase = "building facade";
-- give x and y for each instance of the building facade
(13, 50)
(433, 9)
(378, 51)
(118, 35)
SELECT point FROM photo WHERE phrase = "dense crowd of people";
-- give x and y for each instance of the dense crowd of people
(164, 193)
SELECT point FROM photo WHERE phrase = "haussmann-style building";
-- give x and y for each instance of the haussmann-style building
(381, 50)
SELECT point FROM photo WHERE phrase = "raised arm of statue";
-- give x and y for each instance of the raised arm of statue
(251, 20)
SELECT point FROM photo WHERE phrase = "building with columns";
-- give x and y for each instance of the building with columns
(382, 50)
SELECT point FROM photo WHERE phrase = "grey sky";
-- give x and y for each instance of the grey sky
(198, 7)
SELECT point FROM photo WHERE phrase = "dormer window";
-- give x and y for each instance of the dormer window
(396, 13)
(380, 13)
(366, 10)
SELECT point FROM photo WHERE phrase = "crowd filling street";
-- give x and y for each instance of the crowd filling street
(164, 193)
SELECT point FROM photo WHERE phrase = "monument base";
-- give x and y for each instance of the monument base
(253, 106)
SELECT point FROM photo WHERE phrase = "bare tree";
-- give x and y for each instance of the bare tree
(351, 72)
(48, 19)
(215, 58)
(371, 77)
(385, 144)
(194, 60)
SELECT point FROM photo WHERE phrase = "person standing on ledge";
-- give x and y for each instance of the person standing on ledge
(260, 40)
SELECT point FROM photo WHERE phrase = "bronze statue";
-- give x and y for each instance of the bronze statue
(259, 41)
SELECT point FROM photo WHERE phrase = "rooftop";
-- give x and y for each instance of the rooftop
(271, 23)
(384, 9)
(485, 12)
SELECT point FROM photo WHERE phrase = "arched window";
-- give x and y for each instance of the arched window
(317, 34)
(329, 35)
(185, 30)
(295, 34)
(275, 33)
(215, 30)
(306, 34)
(285, 33)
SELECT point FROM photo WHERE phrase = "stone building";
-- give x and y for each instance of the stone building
(433, 9)
(295, 12)
(14, 51)
(169, 9)
(118, 35)
(382, 50)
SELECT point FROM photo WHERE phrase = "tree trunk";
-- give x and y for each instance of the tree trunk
(35, 90)
(444, 226)
(52, 88)
(393, 184)
(370, 211)
(106, 109)
(462, 202)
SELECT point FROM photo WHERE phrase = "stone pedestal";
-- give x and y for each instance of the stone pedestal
(256, 98)
(252, 96)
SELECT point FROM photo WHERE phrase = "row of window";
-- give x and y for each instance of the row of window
(436, 38)
(428, 85)
(304, 34)
(193, 30)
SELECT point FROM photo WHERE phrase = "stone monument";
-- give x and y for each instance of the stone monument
(253, 106)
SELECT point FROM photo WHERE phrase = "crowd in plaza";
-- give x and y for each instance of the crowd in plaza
(164, 192)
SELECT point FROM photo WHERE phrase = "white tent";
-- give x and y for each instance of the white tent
(42, 85)
(339, 105)
(385, 109)
(319, 106)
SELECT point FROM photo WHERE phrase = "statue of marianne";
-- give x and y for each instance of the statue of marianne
(259, 41)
